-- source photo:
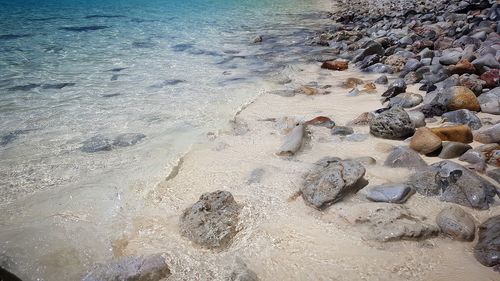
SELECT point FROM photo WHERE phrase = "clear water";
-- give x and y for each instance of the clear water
(168, 69)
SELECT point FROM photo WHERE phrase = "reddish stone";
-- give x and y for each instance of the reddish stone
(335, 65)
(321, 121)
(463, 66)
(491, 77)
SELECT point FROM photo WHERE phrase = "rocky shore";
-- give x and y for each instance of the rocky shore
(378, 161)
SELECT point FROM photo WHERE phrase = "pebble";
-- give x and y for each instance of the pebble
(390, 193)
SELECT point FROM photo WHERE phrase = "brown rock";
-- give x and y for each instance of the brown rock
(335, 65)
(463, 66)
(369, 87)
(461, 133)
(352, 82)
(463, 98)
(321, 121)
(491, 77)
(424, 141)
(397, 62)
(362, 120)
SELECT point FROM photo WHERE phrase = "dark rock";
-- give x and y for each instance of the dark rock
(491, 78)
(456, 223)
(342, 130)
(402, 157)
(395, 88)
(57, 86)
(369, 60)
(212, 221)
(370, 48)
(487, 60)
(454, 183)
(381, 80)
(257, 39)
(128, 139)
(24, 88)
(142, 268)
(487, 249)
(453, 149)
(84, 28)
(413, 77)
(390, 193)
(392, 124)
(330, 180)
(96, 144)
(463, 116)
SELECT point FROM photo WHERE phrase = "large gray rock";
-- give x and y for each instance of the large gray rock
(211, 222)
(395, 222)
(142, 268)
(456, 223)
(330, 180)
(390, 193)
(463, 116)
(394, 123)
(488, 135)
(406, 100)
(403, 157)
(494, 174)
(487, 249)
(454, 183)
(490, 101)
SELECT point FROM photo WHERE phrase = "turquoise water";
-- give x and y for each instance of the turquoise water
(168, 72)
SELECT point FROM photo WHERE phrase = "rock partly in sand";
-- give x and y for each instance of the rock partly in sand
(330, 180)
(488, 135)
(342, 130)
(212, 221)
(293, 141)
(487, 249)
(402, 157)
(393, 223)
(452, 149)
(141, 268)
(424, 141)
(392, 124)
(454, 183)
(490, 101)
(390, 193)
(456, 223)
(463, 116)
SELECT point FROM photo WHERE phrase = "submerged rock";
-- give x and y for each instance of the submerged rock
(487, 249)
(142, 268)
(241, 272)
(212, 221)
(330, 180)
(394, 123)
(390, 193)
(456, 223)
(128, 139)
(454, 183)
(96, 144)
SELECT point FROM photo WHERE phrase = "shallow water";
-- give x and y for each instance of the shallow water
(172, 71)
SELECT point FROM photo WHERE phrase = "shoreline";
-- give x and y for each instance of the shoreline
(278, 235)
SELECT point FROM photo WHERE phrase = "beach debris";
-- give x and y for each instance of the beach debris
(293, 141)
(212, 221)
(330, 180)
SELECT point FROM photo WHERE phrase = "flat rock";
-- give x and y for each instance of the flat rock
(390, 193)
(393, 223)
(394, 123)
(141, 268)
(456, 223)
(424, 141)
(212, 221)
(454, 183)
(463, 116)
(403, 157)
(342, 130)
(452, 149)
(488, 135)
(461, 133)
(487, 249)
(330, 180)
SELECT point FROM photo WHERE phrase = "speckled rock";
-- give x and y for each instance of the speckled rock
(456, 223)
(392, 124)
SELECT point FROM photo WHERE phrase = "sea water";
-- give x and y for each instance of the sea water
(75, 76)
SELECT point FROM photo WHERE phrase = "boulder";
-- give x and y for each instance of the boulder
(141, 268)
(390, 193)
(392, 124)
(330, 180)
(402, 157)
(456, 223)
(462, 98)
(463, 116)
(488, 135)
(487, 249)
(461, 133)
(490, 101)
(454, 183)
(424, 141)
(452, 149)
(212, 221)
